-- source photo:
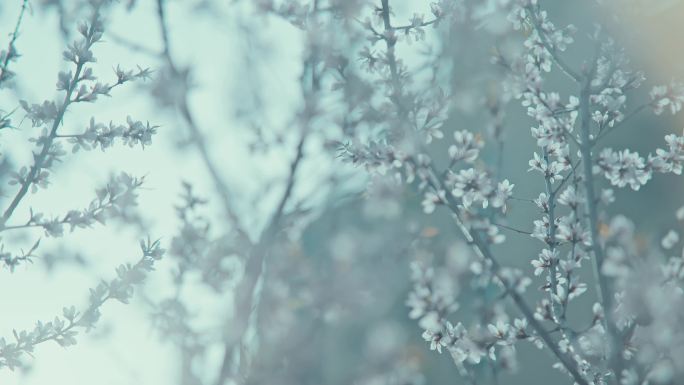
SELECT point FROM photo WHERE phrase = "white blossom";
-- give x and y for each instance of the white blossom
(664, 96)
(471, 186)
(431, 200)
(669, 240)
(466, 147)
(624, 168)
(546, 258)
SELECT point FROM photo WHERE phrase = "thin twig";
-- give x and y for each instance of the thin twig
(424, 24)
(134, 46)
(572, 172)
(512, 229)
(626, 119)
(10, 47)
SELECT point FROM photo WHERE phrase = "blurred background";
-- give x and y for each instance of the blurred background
(331, 307)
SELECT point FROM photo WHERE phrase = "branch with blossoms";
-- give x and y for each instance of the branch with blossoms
(571, 224)
(462, 193)
(112, 200)
(64, 329)
(469, 186)
(603, 86)
(78, 86)
(116, 199)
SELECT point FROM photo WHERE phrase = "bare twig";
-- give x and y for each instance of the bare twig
(245, 293)
(423, 24)
(196, 133)
(512, 229)
(619, 124)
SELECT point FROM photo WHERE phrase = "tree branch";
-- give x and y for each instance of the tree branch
(196, 133)
(482, 249)
(603, 292)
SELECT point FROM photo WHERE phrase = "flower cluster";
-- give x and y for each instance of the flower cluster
(625, 167)
(669, 96)
(472, 186)
(429, 301)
